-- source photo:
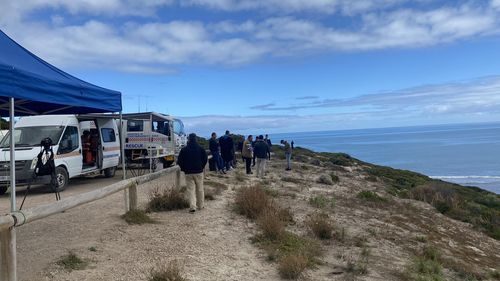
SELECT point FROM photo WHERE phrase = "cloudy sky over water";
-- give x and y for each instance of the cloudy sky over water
(277, 65)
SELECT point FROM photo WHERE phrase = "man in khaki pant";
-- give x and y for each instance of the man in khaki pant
(192, 160)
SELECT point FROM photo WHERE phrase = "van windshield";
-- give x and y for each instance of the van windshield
(32, 136)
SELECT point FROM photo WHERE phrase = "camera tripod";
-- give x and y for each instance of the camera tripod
(53, 180)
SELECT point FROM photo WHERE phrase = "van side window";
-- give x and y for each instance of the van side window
(108, 135)
(135, 126)
(69, 141)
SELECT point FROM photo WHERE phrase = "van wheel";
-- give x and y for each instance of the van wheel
(110, 172)
(61, 180)
(3, 189)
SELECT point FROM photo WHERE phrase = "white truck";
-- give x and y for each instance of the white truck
(82, 144)
(151, 138)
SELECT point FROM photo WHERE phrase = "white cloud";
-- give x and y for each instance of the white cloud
(18, 9)
(495, 4)
(291, 6)
(154, 46)
(476, 96)
(476, 100)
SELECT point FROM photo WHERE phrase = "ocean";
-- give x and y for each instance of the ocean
(468, 154)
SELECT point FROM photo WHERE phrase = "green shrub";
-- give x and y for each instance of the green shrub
(495, 274)
(325, 179)
(422, 269)
(321, 202)
(340, 159)
(399, 179)
(426, 266)
(169, 200)
(72, 262)
(335, 178)
(290, 244)
(371, 196)
(137, 217)
(291, 179)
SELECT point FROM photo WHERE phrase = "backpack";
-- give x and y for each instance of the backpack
(45, 164)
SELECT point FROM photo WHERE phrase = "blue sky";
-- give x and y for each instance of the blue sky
(277, 66)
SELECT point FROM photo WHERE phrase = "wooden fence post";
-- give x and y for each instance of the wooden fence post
(126, 199)
(178, 179)
(132, 191)
(8, 255)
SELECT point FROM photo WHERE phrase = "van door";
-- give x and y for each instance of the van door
(110, 142)
(69, 152)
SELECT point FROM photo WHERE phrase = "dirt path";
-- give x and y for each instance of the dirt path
(211, 245)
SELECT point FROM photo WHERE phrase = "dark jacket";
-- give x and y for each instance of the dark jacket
(213, 145)
(226, 148)
(261, 149)
(192, 158)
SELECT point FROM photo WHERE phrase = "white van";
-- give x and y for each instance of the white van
(150, 133)
(82, 144)
(180, 135)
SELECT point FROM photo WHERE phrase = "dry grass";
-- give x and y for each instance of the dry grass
(321, 226)
(137, 217)
(168, 200)
(271, 225)
(171, 272)
(251, 201)
(292, 266)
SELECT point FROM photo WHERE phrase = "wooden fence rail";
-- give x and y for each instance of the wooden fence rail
(16, 219)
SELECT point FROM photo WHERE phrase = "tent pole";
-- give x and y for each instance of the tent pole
(150, 151)
(124, 171)
(8, 259)
(122, 147)
(12, 158)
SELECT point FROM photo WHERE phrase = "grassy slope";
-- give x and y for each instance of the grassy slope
(479, 207)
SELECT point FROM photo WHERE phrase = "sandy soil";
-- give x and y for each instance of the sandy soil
(214, 244)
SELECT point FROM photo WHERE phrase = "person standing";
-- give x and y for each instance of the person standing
(247, 154)
(288, 155)
(214, 147)
(226, 149)
(192, 160)
(253, 146)
(268, 141)
(261, 151)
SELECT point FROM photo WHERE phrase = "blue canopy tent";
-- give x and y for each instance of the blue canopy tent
(31, 86)
(40, 88)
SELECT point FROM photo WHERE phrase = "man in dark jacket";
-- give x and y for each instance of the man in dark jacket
(268, 141)
(226, 149)
(192, 160)
(261, 150)
(213, 145)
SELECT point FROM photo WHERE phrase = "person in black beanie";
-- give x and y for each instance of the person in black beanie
(192, 160)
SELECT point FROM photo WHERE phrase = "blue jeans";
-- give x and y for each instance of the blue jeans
(219, 163)
(288, 160)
